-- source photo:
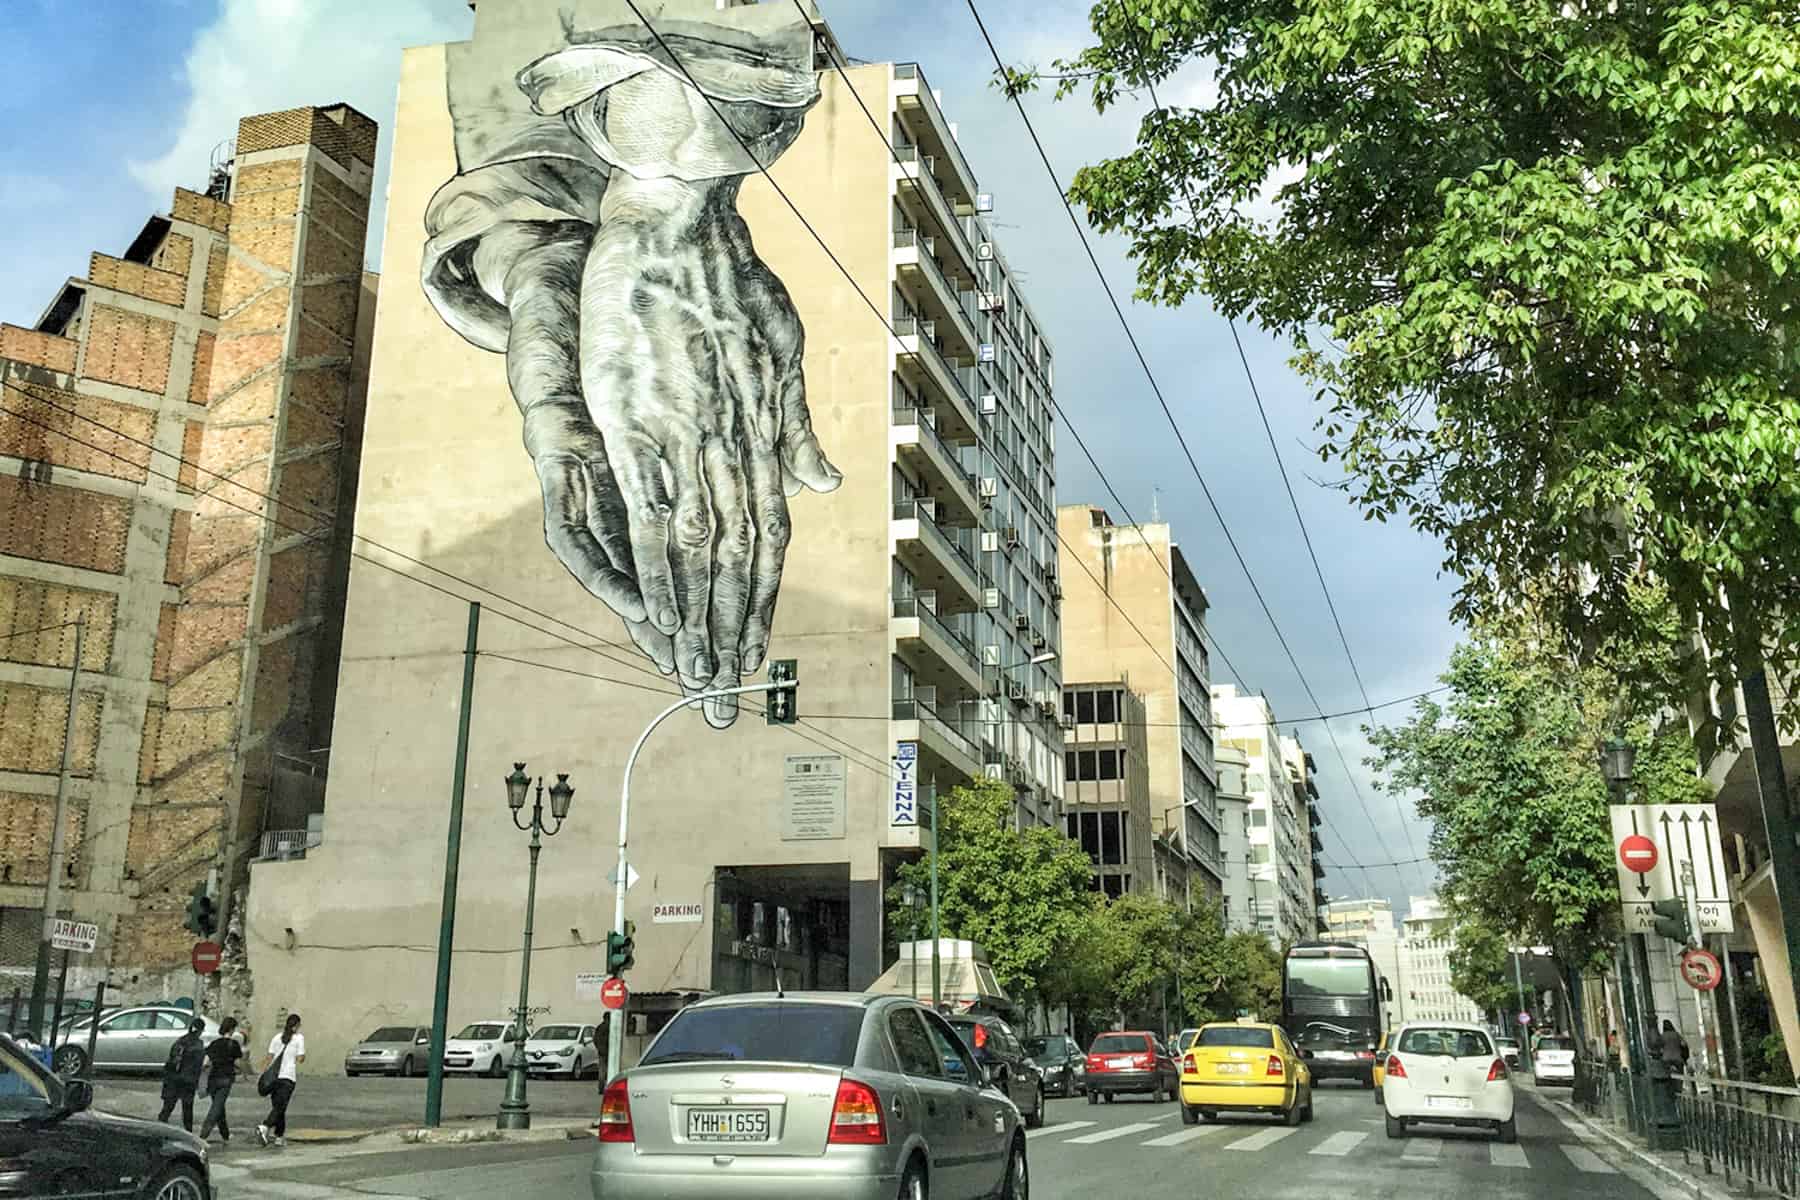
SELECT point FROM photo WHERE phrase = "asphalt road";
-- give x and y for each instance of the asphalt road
(1131, 1148)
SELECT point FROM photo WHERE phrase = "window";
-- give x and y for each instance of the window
(170, 1020)
(1114, 886)
(1106, 707)
(1259, 818)
(1068, 706)
(912, 1045)
(1121, 1043)
(1087, 768)
(824, 1034)
(1111, 764)
(1068, 757)
(129, 1022)
(1259, 853)
(1084, 708)
(1234, 1035)
(958, 1066)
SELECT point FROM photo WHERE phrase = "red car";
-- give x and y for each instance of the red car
(1131, 1061)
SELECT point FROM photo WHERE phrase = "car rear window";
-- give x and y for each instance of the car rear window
(1232, 1035)
(1555, 1043)
(1047, 1048)
(1121, 1043)
(820, 1034)
(1454, 1043)
(391, 1034)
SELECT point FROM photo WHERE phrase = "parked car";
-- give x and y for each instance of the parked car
(1508, 1048)
(808, 1096)
(1554, 1060)
(483, 1048)
(1447, 1074)
(52, 1143)
(1060, 1059)
(565, 1050)
(130, 1039)
(403, 1050)
(1002, 1057)
(1243, 1067)
(1130, 1061)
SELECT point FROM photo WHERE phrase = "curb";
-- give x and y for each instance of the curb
(456, 1135)
(1691, 1184)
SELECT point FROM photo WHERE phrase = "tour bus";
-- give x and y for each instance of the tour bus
(1331, 1007)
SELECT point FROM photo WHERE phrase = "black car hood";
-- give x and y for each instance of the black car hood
(136, 1129)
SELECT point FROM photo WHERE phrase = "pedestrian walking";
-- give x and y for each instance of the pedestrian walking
(224, 1061)
(287, 1050)
(181, 1074)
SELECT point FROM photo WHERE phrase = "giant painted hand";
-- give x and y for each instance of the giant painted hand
(691, 370)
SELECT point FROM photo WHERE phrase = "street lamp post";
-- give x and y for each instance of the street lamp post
(515, 1111)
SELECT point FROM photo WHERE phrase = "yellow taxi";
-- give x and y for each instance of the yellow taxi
(1244, 1067)
(1380, 1064)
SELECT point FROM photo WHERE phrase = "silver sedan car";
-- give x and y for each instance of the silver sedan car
(830, 1095)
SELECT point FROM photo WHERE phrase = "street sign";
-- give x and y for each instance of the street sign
(613, 994)
(676, 914)
(631, 876)
(1700, 969)
(80, 936)
(588, 984)
(205, 957)
(906, 786)
(1524, 1018)
(1679, 836)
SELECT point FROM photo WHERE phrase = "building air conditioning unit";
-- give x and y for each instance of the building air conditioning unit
(1011, 537)
(1021, 621)
(990, 404)
(1038, 641)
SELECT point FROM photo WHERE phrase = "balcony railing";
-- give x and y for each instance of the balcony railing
(914, 709)
(913, 510)
(954, 301)
(939, 124)
(909, 606)
(910, 326)
(904, 416)
(916, 169)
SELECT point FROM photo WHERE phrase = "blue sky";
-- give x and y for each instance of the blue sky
(108, 104)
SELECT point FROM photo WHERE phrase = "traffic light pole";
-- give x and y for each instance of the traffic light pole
(40, 977)
(615, 1044)
(1689, 888)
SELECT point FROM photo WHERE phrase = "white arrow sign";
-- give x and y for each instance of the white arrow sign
(631, 876)
(1679, 834)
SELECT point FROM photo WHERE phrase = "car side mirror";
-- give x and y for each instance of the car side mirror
(77, 1095)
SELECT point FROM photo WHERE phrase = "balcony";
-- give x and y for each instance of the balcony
(940, 559)
(915, 261)
(920, 112)
(944, 748)
(940, 654)
(924, 368)
(1318, 843)
(1318, 869)
(923, 199)
(916, 439)
(1312, 816)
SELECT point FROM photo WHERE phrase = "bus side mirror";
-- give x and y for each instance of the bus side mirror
(1387, 990)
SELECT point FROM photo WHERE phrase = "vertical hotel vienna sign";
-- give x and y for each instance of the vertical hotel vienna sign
(906, 786)
(813, 798)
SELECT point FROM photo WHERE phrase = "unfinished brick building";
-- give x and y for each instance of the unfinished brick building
(178, 436)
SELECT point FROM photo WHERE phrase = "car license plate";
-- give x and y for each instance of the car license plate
(1233, 1068)
(1448, 1103)
(1120, 1064)
(728, 1124)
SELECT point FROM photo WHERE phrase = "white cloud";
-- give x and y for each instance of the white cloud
(266, 55)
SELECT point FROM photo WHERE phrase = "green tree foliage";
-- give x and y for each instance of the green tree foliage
(1506, 771)
(1536, 255)
(1023, 895)
(1479, 965)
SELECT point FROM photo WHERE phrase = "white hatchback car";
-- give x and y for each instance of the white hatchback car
(1447, 1074)
(483, 1048)
(568, 1051)
(1554, 1060)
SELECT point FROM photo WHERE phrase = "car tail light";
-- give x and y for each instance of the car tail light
(980, 1036)
(1365, 1054)
(1145, 1062)
(1188, 1066)
(1096, 1063)
(1497, 1071)
(1395, 1069)
(856, 1116)
(615, 1114)
(1276, 1070)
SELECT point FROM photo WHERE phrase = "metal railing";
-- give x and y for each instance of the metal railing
(1735, 1128)
(909, 606)
(940, 126)
(905, 416)
(914, 709)
(910, 326)
(915, 170)
(957, 306)
(286, 843)
(914, 510)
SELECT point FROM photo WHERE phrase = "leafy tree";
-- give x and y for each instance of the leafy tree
(1536, 256)
(1023, 895)
(1479, 964)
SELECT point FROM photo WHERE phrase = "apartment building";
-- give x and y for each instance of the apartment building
(1106, 796)
(148, 417)
(1369, 922)
(919, 594)
(1242, 897)
(1427, 937)
(1303, 774)
(1134, 613)
(1283, 903)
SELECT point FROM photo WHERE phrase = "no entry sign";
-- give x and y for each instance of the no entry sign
(1700, 969)
(613, 994)
(1638, 853)
(205, 957)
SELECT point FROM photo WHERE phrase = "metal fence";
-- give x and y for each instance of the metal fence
(1744, 1130)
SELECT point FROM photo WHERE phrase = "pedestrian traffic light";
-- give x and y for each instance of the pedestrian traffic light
(1671, 919)
(202, 916)
(619, 950)
(784, 702)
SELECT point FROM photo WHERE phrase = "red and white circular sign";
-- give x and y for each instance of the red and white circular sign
(1638, 853)
(205, 957)
(1700, 969)
(613, 994)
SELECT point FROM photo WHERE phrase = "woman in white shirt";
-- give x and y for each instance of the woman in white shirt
(289, 1049)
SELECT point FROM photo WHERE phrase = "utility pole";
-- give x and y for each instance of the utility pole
(40, 977)
(440, 1002)
(1689, 886)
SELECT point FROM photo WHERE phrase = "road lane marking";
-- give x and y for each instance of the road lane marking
(1107, 1135)
(1502, 1155)
(1423, 1149)
(1340, 1144)
(1186, 1135)
(1164, 1117)
(1063, 1127)
(1262, 1138)
(1586, 1160)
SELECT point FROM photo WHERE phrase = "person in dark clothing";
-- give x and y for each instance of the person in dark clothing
(1674, 1048)
(224, 1060)
(181, 1074)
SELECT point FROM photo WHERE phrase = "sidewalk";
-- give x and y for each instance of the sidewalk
(1670, 1168)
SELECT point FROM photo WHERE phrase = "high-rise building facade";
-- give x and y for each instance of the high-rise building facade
(1241, 899)
(1303, 779)
(1106, 796)
(1427, 937)
(728, 460)
(1280, 852)
(1133, 612)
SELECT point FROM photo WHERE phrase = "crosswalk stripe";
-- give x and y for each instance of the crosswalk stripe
(1161, 1119)
(1107, 1135)
(1423, 1148)
(1186, 1135)
(1063, 1127)
(1340, 1144)
(1262, 1138)
(1586, 1160)
(1502, 1155)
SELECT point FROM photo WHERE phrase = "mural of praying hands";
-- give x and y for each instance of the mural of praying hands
(690, 354)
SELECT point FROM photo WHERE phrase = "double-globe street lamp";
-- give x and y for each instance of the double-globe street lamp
(515, 1112)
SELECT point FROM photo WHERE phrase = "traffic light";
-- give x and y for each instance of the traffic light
(784, 702)
(202, 916)
(1671, 919)
(619, 950)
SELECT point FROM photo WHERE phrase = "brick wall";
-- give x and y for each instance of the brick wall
(32, 721)
(70, 429)
(25, 837)
(30, 604)
(128, 348)
(66, 525)
(38, 349)
(136, 279)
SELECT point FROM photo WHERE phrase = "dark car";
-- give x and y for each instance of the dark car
(1061, 1061)
(1131, 1061)
(53, 1144)
(1000, 1054)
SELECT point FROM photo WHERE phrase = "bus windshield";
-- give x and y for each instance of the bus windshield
(1328, 976)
